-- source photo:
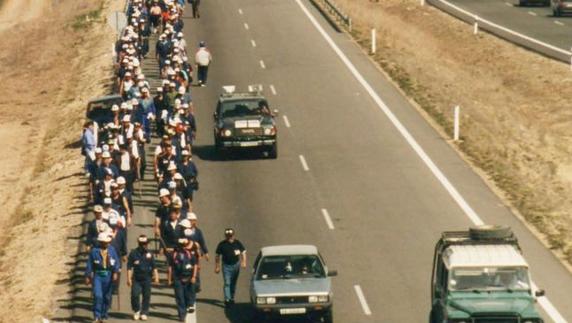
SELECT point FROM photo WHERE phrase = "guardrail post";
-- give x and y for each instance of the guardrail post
(457, 113)
(373, 41)
(476, 25)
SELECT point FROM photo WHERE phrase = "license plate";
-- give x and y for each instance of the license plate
(248, 144)
(290, 311)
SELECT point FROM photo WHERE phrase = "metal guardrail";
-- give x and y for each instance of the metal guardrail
(503, 32)
(335, 11)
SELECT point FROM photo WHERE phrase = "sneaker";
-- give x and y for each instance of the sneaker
(191, 309)
(144, 317)
(136, 316)
(227, 303)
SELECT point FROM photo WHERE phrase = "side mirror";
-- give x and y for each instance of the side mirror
(539, 293)
(332, 273)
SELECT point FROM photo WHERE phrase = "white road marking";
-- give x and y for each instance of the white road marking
(457, 197)
(240, 11)
(262, 64)
(328, 219)
(246, 26)
(253, 43)
(286, 121)
(560, 23)
(508, 4)
(532, 13)
(272, 89)
(362, 300)
(304, 164)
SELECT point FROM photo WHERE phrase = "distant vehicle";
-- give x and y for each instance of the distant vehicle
(291, 280)
(480, 276)
(560, 7)
(544, 3)
(99, 109)
(244, 121)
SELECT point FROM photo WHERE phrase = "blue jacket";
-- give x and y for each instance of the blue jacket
(95, 263)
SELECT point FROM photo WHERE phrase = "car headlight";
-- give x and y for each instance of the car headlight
(318, 299)
(271, 300)
(261, 300)
(226, 133)
(269, 131)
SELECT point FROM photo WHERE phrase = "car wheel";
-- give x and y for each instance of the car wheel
(259, 317)
(329, 316)
(273, 152)
(490, 232)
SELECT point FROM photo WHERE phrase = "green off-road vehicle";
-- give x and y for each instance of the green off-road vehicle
(480, 276)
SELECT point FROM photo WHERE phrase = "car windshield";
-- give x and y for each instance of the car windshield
(489, 278)
(284, 267)
(240, 108)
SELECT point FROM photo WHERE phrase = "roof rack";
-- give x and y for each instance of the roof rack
(450, 238)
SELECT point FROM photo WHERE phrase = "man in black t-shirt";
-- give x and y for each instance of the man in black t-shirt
(233, 256)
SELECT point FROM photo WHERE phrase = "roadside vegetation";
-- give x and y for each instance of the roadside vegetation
(55, 56)
(515, 120)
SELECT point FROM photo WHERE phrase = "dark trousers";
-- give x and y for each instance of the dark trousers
(138, 289)
(185, 296)
(202, 73)
(195, 6)
(129, 179)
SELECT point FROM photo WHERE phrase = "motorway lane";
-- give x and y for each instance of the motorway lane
(387, 208)
(533, 21)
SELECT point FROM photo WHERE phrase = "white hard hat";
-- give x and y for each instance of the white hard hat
(185, 223)
(103, 237)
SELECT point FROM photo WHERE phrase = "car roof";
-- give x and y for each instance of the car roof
(105, 98)
(501, 255)
(289, 250)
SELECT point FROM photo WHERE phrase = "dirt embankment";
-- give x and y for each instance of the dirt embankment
(54, 56)
(517, 115)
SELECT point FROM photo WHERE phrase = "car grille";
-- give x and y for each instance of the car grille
(292, 300)
(496, 320)
(249, 132)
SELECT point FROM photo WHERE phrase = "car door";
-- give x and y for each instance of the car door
(253, 276)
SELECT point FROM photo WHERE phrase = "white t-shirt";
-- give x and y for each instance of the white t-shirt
(203, 57)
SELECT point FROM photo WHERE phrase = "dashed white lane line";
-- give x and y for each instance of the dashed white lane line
(286, 121)
(240, 11)
(262, 64)
(447, 185)
(246, 26)
(362, 300)
(253, 43)
(532, 13)
(304, 163)
(328, 219)
(272, 89)
(560, 23)
(508, 4)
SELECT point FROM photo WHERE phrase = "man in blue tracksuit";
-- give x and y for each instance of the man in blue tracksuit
(141, 271)
(182, 274)
(103, 266)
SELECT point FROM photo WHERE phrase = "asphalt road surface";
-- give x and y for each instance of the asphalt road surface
(340, 155)
(534, 21)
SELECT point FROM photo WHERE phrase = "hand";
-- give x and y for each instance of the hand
(88, 281)
(156, 281)
(193, 280)
(124, 258)
(115, 277)
(207, 256)
(129, 283)
(217, 270)
(243, 265)
(169, 283)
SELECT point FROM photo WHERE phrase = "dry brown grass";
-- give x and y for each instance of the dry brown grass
(50, 67)
(516, 122)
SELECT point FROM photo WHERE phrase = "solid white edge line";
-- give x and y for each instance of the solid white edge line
(253, 43)
(328, 219)
(304, 163)
(273, 89)
(262, 64)
(246, 26)
(508, 4)
(558, 22)
(286, 121)
(240, 11)
(532, 13)
(457, 197)
(362, 300)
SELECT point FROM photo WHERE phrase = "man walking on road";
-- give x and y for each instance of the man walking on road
(233, 256)
(203, 59)
(103, 266)
(183, 275)
(195, 6)
(141, 271)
